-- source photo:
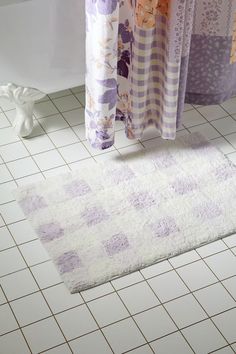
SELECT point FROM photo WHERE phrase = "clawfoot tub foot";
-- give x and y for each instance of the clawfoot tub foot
(23, 99)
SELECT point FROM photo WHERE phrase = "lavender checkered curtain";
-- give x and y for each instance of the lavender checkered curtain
(145, 58)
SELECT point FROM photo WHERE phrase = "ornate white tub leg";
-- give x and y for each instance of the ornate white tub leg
(24, 99)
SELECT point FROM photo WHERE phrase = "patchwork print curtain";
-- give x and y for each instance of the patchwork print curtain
(145, 58)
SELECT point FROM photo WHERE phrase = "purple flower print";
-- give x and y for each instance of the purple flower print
(77, 188)
(94, 215)
(164, 227)
(68, 261)
(109, 96)
(50, 231)
(116, 244)
(124, 32)
(122, 65)
(32, 203)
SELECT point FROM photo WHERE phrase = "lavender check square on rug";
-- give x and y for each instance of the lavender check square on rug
(105, 221)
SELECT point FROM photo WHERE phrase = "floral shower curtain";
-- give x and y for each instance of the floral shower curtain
(145, 58)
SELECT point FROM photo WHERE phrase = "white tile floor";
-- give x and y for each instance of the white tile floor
(183, 305)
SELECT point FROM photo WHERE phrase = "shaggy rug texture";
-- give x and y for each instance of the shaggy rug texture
(105, 221)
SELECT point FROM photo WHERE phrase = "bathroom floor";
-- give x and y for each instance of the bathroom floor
(186, 304)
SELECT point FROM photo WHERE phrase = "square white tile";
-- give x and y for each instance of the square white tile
(212, 112)
(74, 152)
(230, 285)
(226, 323)
(63, 137)
(37, 177)
(52, 123)
(50, 159)
(31, 308)
(23, 167)
(97, 291)
(6, 240)
(66, 103)
(22, 232)
(4, 122)
(38, 144)
(211, 248)
(156, 269)
(168, 286)
(230, 241)
(173, 343)
(204, 337)
(108, 309)
(225, 125)
(110, 156)
(11, 212)
(6, 190)
(192, 117)
(76, 322)
(155, 323)
(127, 280)
(61, 93)
(185, 311)
(74, 117)
(56, 171)
(7, 136)
(81, 97)
(91, 343)
(5, 175)
(208, 131)
(59, 298)
(44, 109)
(13, 151)
(122, 141)
(8, 322)
(80, 131)
(14, 343)
(11, 261)
(214, 299)
(43, 335)
(34, 252)
(46, 274)
(222, 264)
(25, 284)
(196, 275)
(232, 139)
(138, 297)
(117, 337)
(184, 258)
(60, 349)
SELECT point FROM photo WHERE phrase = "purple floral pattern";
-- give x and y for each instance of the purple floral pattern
(145, 59)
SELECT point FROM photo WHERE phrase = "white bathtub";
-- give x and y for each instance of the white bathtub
(42, 46)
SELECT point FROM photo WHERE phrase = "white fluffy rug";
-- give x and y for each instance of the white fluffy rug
(114, 218)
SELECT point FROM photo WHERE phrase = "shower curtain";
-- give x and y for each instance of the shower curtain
(145, 58)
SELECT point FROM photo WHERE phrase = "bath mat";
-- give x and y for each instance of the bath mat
(101, 222)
